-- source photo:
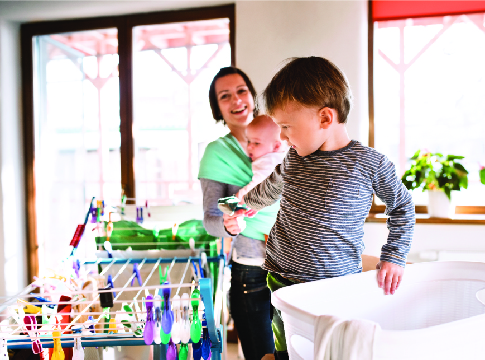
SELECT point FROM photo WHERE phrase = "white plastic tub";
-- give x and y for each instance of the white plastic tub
(435, 313)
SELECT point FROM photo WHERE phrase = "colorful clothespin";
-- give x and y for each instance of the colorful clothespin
(139, 214)
(123, 202)
(184, 351)
(206, 342)
(175, 228)
(138, 276)
(108, 248)
(131, 318)
(110, 283)
(171, 351)
(157, 318)
(148, 208)
(109, 228)
(167, 316)
(177, 318)
(78, 351)
(163, 278)
(185, 328)
(196, 327)
(31, 327)
(57, 353)
(148, 332)
(88, 326)
(28, 309)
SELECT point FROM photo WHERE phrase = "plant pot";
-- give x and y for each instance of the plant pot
(439, 205)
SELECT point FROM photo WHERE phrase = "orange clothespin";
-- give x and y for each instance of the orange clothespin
(175, 227)
(57, 353)
(109, 228)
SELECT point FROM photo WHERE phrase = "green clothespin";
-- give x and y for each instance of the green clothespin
(107, 316)
(123, 203)
(163, 278)
(128, 309)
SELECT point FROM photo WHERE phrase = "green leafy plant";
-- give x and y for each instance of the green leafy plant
(434, 171)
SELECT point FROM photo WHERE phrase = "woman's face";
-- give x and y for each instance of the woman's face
(235, 100)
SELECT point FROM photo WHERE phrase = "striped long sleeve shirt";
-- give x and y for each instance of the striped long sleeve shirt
(325, 199)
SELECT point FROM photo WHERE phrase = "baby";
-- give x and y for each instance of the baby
(264, 148)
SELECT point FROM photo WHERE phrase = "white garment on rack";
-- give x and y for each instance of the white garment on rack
(338, 339)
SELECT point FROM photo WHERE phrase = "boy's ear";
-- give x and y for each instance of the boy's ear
(327, 117)
(277, 146)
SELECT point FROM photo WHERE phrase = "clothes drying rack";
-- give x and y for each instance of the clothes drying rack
(17, 332)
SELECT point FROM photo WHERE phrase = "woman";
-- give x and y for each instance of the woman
(224, 169)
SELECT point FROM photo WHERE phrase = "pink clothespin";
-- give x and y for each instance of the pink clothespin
(31, 327)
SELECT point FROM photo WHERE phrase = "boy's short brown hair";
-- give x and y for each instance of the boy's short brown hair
(313, 82)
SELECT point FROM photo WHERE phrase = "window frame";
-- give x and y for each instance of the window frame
(124, 25)
(420, 209)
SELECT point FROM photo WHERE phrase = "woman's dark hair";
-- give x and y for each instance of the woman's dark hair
(216, 112)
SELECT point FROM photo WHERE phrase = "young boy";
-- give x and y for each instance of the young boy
(264, 148)
(326, 184)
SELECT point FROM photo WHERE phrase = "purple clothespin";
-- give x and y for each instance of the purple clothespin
(94, 214)
(76, 265)
(148, 332)
(139, 214)
(167, 316)
(138, 276)
(110, 283)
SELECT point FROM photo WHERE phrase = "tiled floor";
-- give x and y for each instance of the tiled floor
(232, 352)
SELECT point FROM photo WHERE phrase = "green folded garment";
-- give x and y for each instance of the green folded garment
(128, 234)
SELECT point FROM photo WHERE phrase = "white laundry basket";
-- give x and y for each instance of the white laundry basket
(435, 313)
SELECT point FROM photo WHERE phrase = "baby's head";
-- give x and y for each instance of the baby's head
(310, 99)
(263, 137)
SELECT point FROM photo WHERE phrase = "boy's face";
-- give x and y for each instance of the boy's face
(301, 127)
(261, 141)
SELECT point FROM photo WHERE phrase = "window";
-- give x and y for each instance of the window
(112, 104)
(428, 91)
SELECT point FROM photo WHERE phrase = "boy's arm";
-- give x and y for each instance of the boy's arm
(262, 168)
(401, 212)
(267, 192)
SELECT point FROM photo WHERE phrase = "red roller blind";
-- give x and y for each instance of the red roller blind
(390, 10)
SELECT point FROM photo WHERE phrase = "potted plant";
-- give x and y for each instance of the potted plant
(439, 175)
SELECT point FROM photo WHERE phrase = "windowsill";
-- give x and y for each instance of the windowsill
(457, 219)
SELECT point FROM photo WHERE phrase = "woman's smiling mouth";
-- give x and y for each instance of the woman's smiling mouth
(239, 111)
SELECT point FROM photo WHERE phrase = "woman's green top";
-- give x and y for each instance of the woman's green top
(225, 161)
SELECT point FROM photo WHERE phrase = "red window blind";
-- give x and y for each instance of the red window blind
(391, 10)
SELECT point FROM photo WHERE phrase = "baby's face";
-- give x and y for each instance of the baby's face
(260, 142)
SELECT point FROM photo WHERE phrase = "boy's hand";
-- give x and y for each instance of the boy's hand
(389, 276)
(235, 224)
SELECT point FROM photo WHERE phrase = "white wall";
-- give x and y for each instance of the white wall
(12, 224)
(268, 32)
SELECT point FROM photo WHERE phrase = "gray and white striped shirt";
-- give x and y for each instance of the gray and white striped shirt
(325, 199)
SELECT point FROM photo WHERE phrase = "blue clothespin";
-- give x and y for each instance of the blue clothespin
(195, 269)
(110, 283)
(139, 214)
(138, 276)
(41, 299)
(201, 269)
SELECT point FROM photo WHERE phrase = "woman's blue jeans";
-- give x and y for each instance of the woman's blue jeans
(250, 301)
